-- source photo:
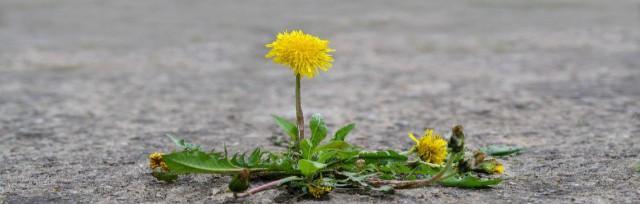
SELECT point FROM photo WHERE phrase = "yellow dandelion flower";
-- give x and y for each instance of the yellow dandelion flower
(155, 161)
(498, 169)
(319, 191)
(491, 166)
(301, 52)
(431, 147)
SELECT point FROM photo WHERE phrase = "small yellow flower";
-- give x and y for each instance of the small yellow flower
(303, 53)
(498, 169)
(491, 166)
(431, 147)
(155, 161)
(319, 191)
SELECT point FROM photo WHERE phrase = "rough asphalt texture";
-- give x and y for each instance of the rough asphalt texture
(88, 89)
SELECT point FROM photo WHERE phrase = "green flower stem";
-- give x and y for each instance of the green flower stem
(299, 115)
(410, 151)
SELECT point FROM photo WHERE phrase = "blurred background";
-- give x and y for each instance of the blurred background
(88, 89)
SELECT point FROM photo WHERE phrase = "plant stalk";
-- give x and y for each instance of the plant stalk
(266, 186)
(397, 184)
(299, 114)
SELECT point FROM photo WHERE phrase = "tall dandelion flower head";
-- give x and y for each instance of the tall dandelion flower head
(303, 53)
(431, 147)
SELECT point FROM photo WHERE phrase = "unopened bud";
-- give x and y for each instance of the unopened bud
(360, 164)
(491, 166)
(479, 157)
(456, 142)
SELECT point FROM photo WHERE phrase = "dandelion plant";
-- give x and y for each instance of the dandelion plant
(313, 167)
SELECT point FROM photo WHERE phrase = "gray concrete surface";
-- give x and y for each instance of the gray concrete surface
(88, 88)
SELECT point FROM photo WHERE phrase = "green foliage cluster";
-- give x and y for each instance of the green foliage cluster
(319, 164)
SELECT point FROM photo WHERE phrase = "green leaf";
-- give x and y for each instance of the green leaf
(348, 154)
(181, 143)
(318, 129)
(638, 167)
(335, 151)
(163, 176)
(342, 133)
(256, 156)
(424, 168)
(239, 160)
(306, 149)
(360, 179)
(382, 155)
(333, 145)
(500, 150)
(308, 167)
(324, 156)
(395, 170)
(199, 162)
(288, 127)
(470, 181)
(281, 162)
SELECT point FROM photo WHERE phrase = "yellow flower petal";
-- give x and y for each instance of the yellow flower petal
(428, 132)
(318, 191)
(431, 147)
(498, 169)
(156, 161)
(413, 137)
(301, 52)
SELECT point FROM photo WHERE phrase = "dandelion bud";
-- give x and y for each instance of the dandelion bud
(464, 165)
(479, 157)
(456, 142)
(491, 166)
(360, 164)
(240, 182)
